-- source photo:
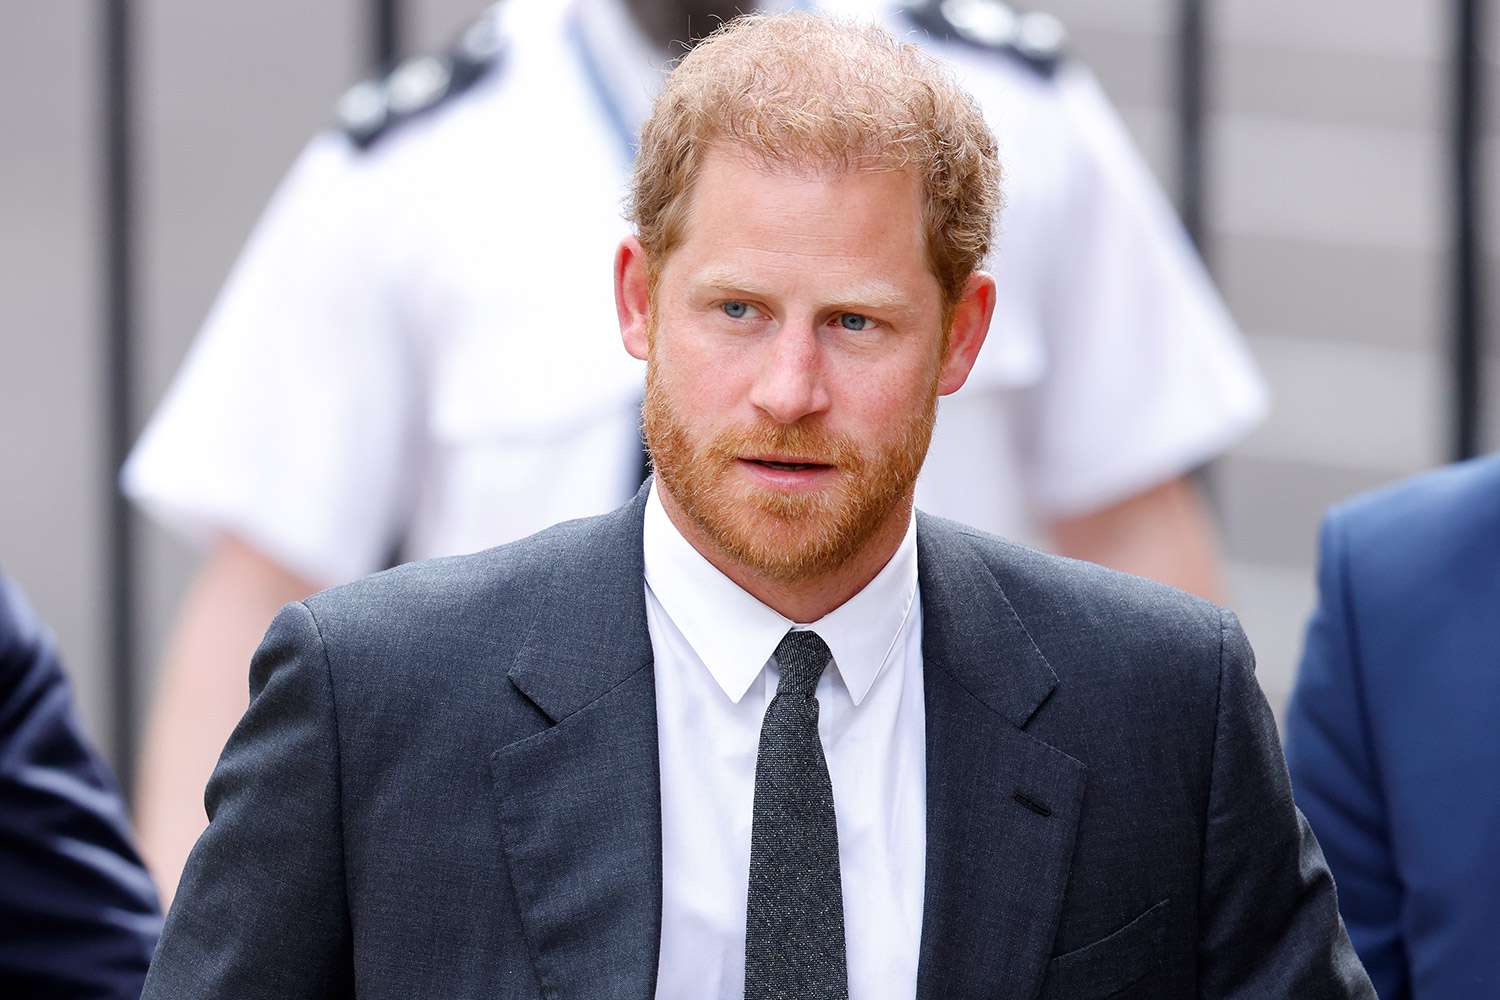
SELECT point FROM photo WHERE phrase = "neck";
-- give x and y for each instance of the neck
(808, 599)
(672, 24)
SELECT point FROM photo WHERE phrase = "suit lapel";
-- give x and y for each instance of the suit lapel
(1002, 806)
(580, 801)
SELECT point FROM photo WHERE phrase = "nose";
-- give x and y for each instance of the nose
(789, 385)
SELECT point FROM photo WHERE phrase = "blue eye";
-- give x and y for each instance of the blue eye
(855, 322)
(735, 310)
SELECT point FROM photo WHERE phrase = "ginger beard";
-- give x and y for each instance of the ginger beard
(788, 537)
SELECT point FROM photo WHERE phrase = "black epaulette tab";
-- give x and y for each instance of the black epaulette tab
(373, 108)
(1035, 38)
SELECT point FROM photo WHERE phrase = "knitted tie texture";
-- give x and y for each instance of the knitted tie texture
(794, 923)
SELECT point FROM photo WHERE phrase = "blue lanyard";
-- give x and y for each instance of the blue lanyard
(608, 106)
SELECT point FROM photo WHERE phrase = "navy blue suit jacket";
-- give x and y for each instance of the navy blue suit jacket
(1393, 735)
(78, 914)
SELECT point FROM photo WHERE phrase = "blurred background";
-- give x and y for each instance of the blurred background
(1319, 151)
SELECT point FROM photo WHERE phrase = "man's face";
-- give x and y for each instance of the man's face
(794, 361)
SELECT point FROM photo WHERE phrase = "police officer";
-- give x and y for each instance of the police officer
(414, 353)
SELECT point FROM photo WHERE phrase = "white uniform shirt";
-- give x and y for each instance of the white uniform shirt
(712, 644)
(419, 346)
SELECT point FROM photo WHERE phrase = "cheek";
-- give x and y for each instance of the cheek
(702, 383)
(885, 394)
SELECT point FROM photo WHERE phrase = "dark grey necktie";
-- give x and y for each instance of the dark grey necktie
(794, 924)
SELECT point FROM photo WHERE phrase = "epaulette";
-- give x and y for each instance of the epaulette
(373, 108)
(1035, 38)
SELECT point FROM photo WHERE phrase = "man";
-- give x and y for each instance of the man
(78, 914)
(605, 761)
(439, 405)
(1391, 731)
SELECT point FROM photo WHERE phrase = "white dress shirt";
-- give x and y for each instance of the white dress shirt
(712, 644)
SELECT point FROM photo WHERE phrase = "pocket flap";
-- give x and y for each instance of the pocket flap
(1110, 964)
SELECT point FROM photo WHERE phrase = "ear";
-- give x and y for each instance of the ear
(971, 323)
(632, 304)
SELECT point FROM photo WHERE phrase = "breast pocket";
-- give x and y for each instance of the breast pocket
(518, 439)
(1111, 965)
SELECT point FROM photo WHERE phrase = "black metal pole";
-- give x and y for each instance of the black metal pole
(1192, 103)
(1466, 312)
(118, 325)
(385, 33)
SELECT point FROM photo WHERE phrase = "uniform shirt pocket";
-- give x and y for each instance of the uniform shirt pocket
(1110, 965)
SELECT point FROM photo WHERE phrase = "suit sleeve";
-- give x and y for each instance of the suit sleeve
(261, 911)
(1269, 922)
(1335, 777)
(78, 913)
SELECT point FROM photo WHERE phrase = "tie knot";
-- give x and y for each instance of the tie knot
(802, 657)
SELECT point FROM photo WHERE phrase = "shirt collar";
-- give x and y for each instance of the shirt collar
(734, 634)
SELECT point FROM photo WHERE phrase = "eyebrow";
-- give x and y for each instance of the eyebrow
(877, 295)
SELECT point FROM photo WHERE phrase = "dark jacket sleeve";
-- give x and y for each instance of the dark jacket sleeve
(78, 913)
(1335, 776)
(261, 911)
(1269, 917)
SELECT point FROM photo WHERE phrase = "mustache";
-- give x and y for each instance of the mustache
(807, 442)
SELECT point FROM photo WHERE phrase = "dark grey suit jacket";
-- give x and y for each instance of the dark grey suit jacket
(447, 786)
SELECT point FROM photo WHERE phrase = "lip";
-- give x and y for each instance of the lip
(783, 459)
(785, 479)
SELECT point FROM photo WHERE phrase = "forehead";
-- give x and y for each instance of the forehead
(746, 216)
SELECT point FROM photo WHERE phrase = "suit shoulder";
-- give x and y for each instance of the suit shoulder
(1134, 661)
(447, 590)
(1456, 499)
(1084, 617)
(19, 630)
(28, 657)
(437, 639)
(1042, 585)
(1426, 542)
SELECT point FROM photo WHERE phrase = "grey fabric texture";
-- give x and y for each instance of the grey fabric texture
(794, 914)
(446, 785)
